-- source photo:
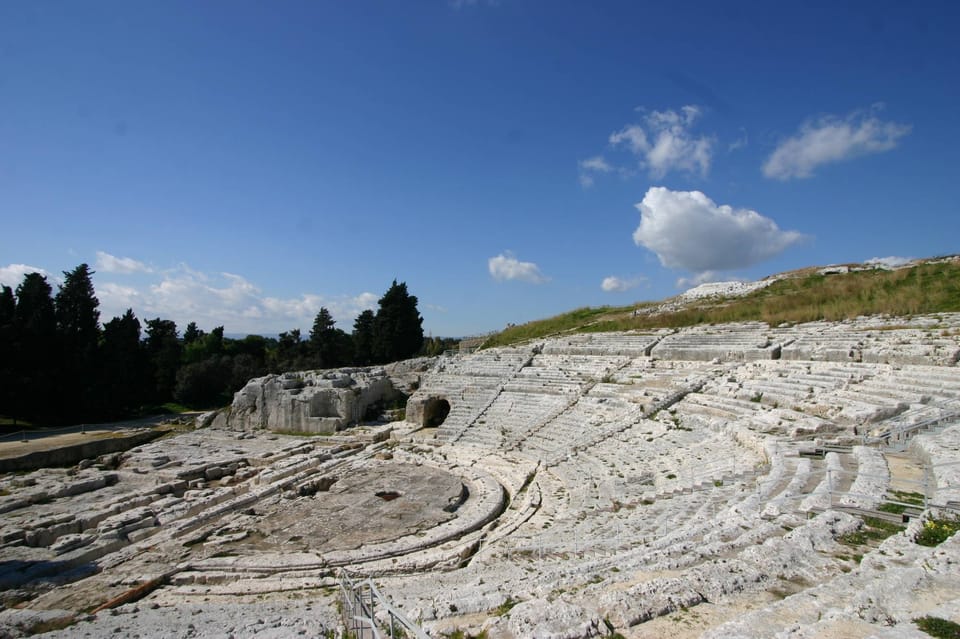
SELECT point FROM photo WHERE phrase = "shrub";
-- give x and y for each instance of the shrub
(937, 627)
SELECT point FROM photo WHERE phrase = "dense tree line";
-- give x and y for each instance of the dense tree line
(59, 365)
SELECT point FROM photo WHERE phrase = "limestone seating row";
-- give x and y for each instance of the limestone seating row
(871, 481)
(519, 433)
(878, 592)
(579, 367)
(714, 579)
(631, 418)
(610, 344)
(559, 433)
(941, 453)
(822, 496)
(509, 412)
(823, 347)
(500, 363)
(747, 346)
(465, 411)
(893, 347)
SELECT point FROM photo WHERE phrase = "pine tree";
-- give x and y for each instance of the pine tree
(329, 346)
(398, 326)
(191, 334)
(8, 374)
(123, 367)
(8, 306)
(78, 329)
(76, 312)
(363, 338)
(35, 349)
(163, 353)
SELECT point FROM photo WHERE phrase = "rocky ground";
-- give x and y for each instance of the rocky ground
(723, 481)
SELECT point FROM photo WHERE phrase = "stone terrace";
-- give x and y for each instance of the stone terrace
(719, 481)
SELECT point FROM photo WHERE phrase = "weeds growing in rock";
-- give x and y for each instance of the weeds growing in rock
(935, 531)
(938, 627)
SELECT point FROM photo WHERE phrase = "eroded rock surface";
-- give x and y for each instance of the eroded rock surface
(720, 481)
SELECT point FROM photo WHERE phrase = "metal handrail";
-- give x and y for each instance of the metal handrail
(360, 610)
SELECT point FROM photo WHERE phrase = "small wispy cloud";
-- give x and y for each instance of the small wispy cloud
(740, 143)
(591, 166)
(614, 284)
(107, 263)
(831, 139)
(506, 266)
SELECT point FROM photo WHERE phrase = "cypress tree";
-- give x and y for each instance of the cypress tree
(78, 330)
(35, 349)
(398, 327)
(363, 338)
(123, 367)
(163, 354)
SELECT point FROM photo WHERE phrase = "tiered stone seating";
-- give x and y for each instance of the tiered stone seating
(741, 343)
(499, 363)
(787, 383)
(466, 404)
(876, 598)
(617, 477)
(509, 413)
(863, 342)
(606, 344)
(941, 452)
(558, 436)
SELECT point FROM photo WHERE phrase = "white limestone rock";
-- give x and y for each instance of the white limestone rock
(543, 619)
(320, 402)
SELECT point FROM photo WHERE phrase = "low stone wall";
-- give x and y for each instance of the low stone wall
(72, 454)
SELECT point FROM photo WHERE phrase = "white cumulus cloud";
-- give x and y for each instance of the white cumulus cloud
(832, 139)
(687, 230)
(107, 263)
(507, 267)
(614, 284)
(12, 274)
(213, 299)
(664, 142)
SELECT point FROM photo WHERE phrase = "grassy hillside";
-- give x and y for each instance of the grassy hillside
(932, 286)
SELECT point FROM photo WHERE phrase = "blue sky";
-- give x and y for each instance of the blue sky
(245, 163)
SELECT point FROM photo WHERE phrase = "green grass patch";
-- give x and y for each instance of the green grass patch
(874, 530)
(802, 297)
(574, 320)
(915, 499)
(938, 627)
(896, 509)
(505, 607)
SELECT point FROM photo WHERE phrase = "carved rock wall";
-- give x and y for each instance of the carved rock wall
(320, 402)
